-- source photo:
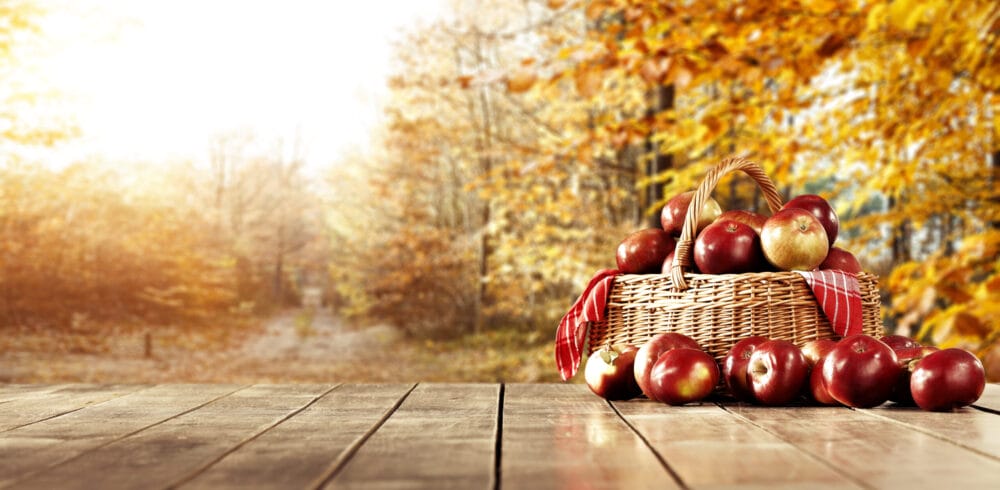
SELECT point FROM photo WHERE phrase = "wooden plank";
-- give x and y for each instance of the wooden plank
(300, 450)
(9, 392)
(563, 436)
(442, 436)
(967, 427)
(878, 452)
(29, 408)
(34, 448)
(707, 446)
(991, 398)
(163, 454)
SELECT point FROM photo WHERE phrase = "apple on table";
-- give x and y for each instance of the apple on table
(683, 376)
(734, 367)
(860, 371)
(609, 372)
(947, 379)
(651, 351)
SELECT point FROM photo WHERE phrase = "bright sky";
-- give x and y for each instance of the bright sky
(154, 80)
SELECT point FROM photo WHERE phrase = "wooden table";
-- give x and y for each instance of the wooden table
(517, 436)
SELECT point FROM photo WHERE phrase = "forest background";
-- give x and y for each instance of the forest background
(521, 142)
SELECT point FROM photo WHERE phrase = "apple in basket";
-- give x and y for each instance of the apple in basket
(610, 372)
(749, 218)
(947, 379)
(819, 208)
(673, 213)
(728, 247)
(841, 260)
(793, 239)
(643, 251)
(734, 367)
(860, 371)
(777, 371)
(683, 376)
(652, 350)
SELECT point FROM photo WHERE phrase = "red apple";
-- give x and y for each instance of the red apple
(841, 260)
(728, 247)
(749, 218)
(734, 367)
(897, 342)
(673, 213)
(817, 387)
(793, 239)
(816, 349)
(683, 376)
(819, 208)
(947, 379)
(651, 351)
(777, 371)
(610, 373)
(908, 358)
(643, 251)
(669, 262)
(860, 371)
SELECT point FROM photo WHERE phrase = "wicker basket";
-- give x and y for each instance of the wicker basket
(717, 310)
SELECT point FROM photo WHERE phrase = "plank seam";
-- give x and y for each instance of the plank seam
(345, 456)
(198, 472)
(941, 437)
(848, 476)
(498, 441)
(118, 439)
(986, 409)
(134, 391)
(649, 445)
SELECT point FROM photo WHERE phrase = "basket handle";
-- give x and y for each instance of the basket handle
(682, 256)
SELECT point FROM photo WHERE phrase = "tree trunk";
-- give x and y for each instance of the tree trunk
(663, 99)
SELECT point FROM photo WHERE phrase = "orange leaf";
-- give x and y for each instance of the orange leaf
(521, 81)
(654, 70)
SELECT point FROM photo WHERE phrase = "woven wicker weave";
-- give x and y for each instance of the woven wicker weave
(717, 310)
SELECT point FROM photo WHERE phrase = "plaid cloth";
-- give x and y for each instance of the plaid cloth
(837, 292)
(572, 331)
(839, 297)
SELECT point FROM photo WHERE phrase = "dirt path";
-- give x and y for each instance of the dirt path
(302, 335)
(292, 346)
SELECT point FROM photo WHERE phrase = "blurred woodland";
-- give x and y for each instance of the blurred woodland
(521, 142)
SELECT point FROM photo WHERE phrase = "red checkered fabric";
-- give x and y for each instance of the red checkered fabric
(572, 331)
(839, 296)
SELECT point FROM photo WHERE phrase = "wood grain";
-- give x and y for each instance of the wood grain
(878, 452)
(442, 436)
(707, 446)
(164, 453)
(33, 448)
(991, 398)
(32, 407)
(966, 427)
(300, 450)
(563, 436)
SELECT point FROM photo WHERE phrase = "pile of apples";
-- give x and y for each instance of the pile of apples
(857, 371)
(800, 236)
